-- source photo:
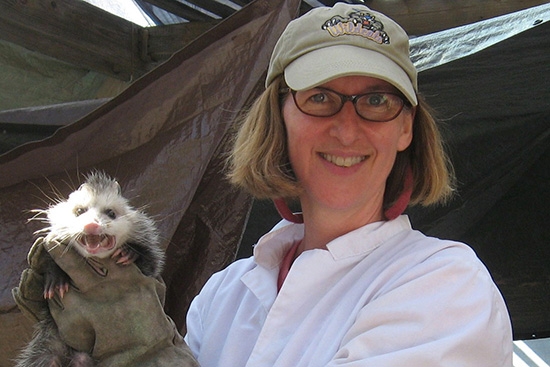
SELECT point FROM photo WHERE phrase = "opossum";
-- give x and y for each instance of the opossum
(97, 221)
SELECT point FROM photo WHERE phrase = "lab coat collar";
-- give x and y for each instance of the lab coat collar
(273, 246)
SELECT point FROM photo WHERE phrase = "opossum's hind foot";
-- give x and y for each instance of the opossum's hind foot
(46, 349)
(80, 359)
(46, 361)
(126, 255)
(37, 356)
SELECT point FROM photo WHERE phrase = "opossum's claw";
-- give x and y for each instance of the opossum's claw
(48, 294)
(62, 289)
(126, 256)
(56, 282)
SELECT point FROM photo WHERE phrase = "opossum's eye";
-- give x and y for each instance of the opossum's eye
(110, 213)
(79, 211)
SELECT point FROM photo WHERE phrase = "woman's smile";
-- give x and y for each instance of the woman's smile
(343, 161)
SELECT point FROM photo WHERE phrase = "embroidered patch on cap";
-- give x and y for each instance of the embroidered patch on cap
(358, 23)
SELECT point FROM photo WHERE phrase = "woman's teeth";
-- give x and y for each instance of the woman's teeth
(343, 161)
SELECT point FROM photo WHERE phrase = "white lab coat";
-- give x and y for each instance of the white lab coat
(382, 295)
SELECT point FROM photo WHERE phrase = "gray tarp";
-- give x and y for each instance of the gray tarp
(29, 78)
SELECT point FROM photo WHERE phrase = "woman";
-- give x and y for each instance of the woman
(341, 128)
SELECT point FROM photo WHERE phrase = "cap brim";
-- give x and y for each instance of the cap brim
(322, 65)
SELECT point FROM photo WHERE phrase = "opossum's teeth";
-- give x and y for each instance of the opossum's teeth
(97, 244)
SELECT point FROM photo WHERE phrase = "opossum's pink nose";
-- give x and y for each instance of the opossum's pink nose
(92, 228)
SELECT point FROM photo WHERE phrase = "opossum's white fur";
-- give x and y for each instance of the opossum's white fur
(66, 224)
(99, 200)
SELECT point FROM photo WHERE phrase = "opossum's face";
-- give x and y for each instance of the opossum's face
(95, 223)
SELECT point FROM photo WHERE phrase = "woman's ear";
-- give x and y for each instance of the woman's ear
(406, 129)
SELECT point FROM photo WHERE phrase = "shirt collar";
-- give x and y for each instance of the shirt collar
(272, 247)
(366, 239)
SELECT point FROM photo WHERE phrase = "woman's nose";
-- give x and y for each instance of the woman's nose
(345, 126)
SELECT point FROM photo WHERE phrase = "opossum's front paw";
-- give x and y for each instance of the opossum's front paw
(56, 282)
(126, 255)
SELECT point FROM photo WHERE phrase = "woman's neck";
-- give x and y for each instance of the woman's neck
(322, 225)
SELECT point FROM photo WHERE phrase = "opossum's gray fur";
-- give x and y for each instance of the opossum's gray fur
(99, 196)
(47, 349)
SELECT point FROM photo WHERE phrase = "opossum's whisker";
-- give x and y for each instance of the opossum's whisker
(57, 243)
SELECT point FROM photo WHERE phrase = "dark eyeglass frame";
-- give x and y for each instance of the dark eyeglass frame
(353, 99)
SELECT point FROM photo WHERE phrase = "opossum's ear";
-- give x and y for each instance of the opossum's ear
(117, 186)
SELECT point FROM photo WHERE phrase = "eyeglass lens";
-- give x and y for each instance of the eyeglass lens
(375, 106)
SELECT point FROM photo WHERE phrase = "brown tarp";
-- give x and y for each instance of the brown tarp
(164, 138)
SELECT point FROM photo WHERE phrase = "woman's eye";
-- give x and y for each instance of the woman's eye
(376, 99)
(318, 98)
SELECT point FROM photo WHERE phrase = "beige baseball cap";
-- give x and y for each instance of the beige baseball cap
(327, 43)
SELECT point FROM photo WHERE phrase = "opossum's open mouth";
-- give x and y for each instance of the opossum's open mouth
(95, 244)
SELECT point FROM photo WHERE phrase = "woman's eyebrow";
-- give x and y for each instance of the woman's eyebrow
(370, 89)
(381, 88)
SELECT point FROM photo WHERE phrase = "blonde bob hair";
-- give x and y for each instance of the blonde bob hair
(259, 160)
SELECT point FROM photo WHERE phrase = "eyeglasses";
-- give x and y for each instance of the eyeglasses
(324, 102)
